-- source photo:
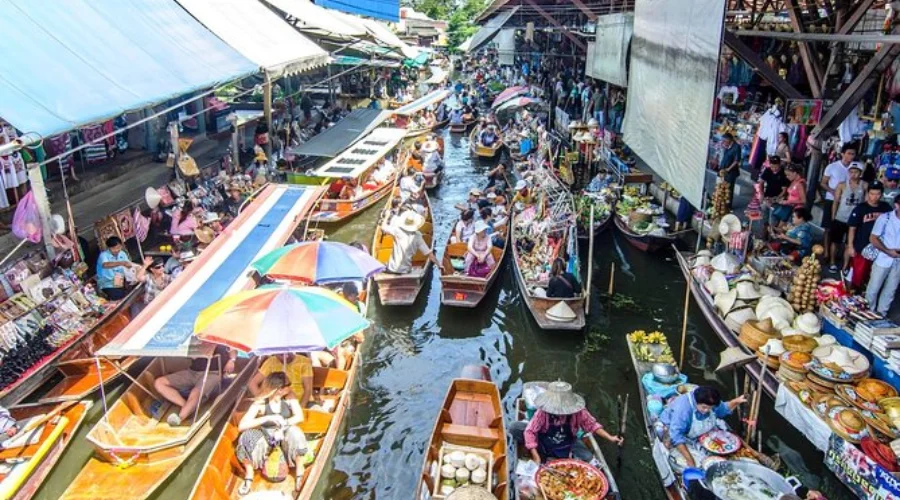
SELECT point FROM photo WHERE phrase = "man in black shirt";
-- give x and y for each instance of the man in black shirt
(775, 184)
(861, 221)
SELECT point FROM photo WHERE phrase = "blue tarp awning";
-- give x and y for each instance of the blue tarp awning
(72, 63)
(389, 10)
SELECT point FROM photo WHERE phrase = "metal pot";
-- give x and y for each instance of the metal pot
(773, 480)
(665, 373)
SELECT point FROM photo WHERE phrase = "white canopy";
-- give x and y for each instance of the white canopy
(361, 156)
(258, 34)
(384, 35)
(323, 22)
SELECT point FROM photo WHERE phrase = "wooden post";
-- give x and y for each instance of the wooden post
(612, 278)
(687, 304)
(587, 296)
(267, 112)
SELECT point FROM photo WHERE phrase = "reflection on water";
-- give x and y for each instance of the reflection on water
(415, 351)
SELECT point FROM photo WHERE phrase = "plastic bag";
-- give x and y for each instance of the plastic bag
(26, 223)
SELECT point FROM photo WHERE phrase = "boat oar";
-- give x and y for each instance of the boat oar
(622, 424)
(34, 424)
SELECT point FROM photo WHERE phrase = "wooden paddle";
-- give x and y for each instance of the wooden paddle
(622, 425)
(34, 424)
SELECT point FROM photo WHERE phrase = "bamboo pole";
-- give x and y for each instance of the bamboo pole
(587, 298)
(612, 278)
(684, 322)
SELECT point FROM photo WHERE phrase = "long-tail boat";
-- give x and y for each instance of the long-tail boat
(460, 290)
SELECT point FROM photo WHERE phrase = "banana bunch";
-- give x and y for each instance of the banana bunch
(642, 337)
(643, 353)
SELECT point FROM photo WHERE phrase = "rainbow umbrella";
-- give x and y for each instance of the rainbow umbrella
(273, 320)
(317, 262)
(509, 94)
(518, 102)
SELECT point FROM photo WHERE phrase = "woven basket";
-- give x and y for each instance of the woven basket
(799, 343)
(785, 374)
(772, 362)
(753, 333)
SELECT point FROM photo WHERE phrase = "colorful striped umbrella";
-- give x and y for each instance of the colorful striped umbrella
(509, 94)
(273, 320)
(317, 262)
(518, 102)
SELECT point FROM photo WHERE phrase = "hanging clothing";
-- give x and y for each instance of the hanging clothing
(770, 125)
(850, 128)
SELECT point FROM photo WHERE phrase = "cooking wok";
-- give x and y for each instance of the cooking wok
(774, 481)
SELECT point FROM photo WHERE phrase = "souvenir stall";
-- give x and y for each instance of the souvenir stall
(47, 309)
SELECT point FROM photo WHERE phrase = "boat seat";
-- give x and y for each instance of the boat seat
(329, 378)
(315, 422)
(467, 435)
(457, 249)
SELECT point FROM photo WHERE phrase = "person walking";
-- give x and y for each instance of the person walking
(885, 278)
(847, 196)
(834, 175)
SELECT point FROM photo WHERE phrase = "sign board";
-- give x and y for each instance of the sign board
(864, 477)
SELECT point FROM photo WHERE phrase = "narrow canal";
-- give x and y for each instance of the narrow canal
(414, 352)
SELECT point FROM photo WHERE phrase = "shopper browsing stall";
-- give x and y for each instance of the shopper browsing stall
(835, 174)
(885, 278)
(860, 223)
(847, 196)
(775, 184)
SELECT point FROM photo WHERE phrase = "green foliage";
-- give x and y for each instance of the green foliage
(459, 14)
(595, 340)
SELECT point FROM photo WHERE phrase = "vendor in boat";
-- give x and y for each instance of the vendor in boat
(525, 142)
(8, 425)
(111, 266)
(560, 421)
(337, 187)
(416, 156)
(464, 228)
(796, 241)
(351, 190)
(183, 220)
(691, 415)
(433, 161)
(407, 242)
(412, 185)
(271, 421)
(191, 381)
(298, 368)
(488, 136)
(497, 177)
(523, 194)
(456, 116)
(479, 259)
(563, 284)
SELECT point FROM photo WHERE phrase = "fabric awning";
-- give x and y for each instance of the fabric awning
(165, 327)
(385, 36)
(320, 21)
(72, 63)
(422, 102)
(438, 76)
(344, 133)
(389, 10)
(342, 60)
(259, 34)
(489, 30)
(354, 161)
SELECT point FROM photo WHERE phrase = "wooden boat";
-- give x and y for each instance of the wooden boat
(418, 132)
(24, 467)
(357, 162)
(728, 336)
(134, 453)
(460, 128)
(222, 474)
(45, 369)
(613, 494)
(402, 289)
(600, 226)
(471, 419)
(432, 179)
(645, 243)
(669, 478)
(483, 151)
(460, 290)
(79, 367)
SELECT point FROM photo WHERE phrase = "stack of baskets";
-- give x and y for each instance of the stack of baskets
(756, 333)
(793, 366)
(799, 343)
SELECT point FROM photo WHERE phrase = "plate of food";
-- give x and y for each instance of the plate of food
(720, 442)
(568, 479)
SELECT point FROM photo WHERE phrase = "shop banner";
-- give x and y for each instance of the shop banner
(672, 84)
(506, 46)
(864, 477)
(607, 60)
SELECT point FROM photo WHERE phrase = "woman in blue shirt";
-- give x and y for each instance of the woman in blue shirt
(798, 240)
(692, 415)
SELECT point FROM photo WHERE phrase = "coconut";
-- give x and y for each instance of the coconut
(472, 461)
(448, 471)
(478, 476)
(462, 475)
(458, 459)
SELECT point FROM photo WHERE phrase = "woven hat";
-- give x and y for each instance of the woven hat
(704, 252)
(411, 221)
(430, 147)
(799, 343)
(747, 290)
(808, 323)
(725, 263)
(825, 340)
(767, 291)
(521, 184)
(716, 283)
(559, 399)
(738, 317)
(152, 197)
(772, 347)
(755, 333)
(725, 301)
(848, 360)
(204, 235)
(733, 357)
(699, 261)
(561, 312)
(847, 423)
(729, 224)
(471, 492)
(524, 133)
(57, 224)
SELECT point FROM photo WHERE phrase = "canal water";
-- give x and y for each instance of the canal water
(414, 352)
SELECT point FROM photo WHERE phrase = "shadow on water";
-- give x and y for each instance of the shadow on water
(414, 352)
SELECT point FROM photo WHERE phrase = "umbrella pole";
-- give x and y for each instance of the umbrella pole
(102, 392)
(202, 387)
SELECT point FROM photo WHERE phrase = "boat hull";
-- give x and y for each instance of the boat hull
(460, 128)
(335, 211)
(644, 243)
(483, 151)
(599, 228)
(465, 291)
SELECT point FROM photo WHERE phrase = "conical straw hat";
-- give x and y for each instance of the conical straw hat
(725, 301)
(559, 399)
(561, 312)
(733, 357)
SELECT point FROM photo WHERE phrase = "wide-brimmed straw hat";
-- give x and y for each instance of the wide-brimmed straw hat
(733, 357)
(725, 263)
(411, 221)
(724, 301)
(729, 224)
(559, 399)
(746, 290)
(808, 323)
(204, 235)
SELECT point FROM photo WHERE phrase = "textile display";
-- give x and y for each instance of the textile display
(611, 49)
(674, 67)
(506, 46)
(770, 125)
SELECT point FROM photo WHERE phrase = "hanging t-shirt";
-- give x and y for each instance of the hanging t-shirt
(770, 125)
